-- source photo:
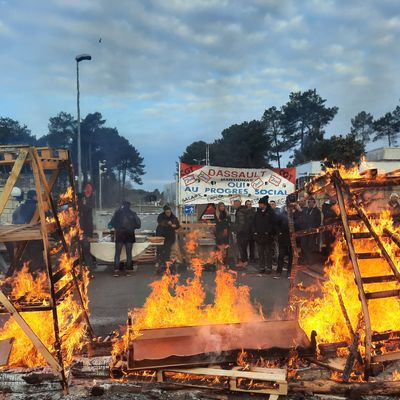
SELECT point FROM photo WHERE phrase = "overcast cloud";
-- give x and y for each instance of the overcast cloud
(167, 73)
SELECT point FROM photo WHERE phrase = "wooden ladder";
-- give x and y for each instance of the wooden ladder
(348, 201)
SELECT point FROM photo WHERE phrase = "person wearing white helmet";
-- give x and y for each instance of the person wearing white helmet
(394, 207)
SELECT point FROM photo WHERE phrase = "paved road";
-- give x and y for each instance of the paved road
(111, 298)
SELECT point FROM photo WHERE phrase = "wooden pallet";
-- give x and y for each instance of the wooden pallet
(270, 381)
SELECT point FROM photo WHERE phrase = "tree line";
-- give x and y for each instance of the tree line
(297, 127)
(100, 142)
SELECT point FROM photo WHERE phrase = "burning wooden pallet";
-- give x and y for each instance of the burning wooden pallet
(58, 231)
(352, 209)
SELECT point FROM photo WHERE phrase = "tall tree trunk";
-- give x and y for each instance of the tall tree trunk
(390, 142)
(119, 185)
(278, 156)
(123, 180)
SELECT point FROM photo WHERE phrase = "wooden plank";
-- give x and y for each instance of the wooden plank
(386, 357)
(29, 332)
(277, 381)
(389, 335)
(265, 375)
(14, 174)
(383, 294)
(368, 256)
(378, 279)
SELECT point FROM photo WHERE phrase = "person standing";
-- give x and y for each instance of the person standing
(124, 221)
(312, 219)
(33, 254)
(329, 216)
(275, 246)
(264, 228)
(394, 207)
(167, 224)
(86, 224)
(252, 243)
(242, 228)
(285, 247)
(222, 229)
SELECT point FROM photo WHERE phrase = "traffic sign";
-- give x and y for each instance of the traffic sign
(189, 209)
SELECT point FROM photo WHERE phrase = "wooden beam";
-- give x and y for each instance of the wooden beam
(29, 332)
(14, 174)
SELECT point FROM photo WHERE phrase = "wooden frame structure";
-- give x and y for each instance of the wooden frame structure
(351, 209)
(46, 165)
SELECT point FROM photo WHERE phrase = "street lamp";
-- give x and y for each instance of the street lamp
(78, 59)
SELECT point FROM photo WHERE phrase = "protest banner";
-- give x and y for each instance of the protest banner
(204, 184)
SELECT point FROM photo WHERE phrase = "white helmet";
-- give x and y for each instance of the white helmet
(16, 191)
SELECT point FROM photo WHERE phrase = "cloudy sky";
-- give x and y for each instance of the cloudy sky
(168, 72)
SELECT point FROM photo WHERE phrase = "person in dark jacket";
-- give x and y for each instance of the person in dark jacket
(25, 212)
(86, 224)
(329, 216)
(311, 219)
(285, 247)
(394, 207)
(124, 221)
(264, 228)
(242, 228)
(252, 243)
(222, 229)
(33, 254)
(167, 224)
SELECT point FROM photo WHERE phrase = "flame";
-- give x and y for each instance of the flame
(324, 314)
(396, 375)
(174, 304)
(34, 288)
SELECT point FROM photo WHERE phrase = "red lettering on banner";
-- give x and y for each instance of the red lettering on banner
(186, 169)
(287, 173)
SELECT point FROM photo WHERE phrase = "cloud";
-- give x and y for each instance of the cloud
(169, 72)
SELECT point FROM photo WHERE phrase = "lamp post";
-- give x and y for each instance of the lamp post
(78, 59)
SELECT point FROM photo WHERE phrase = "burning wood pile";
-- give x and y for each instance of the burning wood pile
(355, 306)
(48, 303)
(177, 338)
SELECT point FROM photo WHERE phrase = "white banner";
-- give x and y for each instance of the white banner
(203, 184)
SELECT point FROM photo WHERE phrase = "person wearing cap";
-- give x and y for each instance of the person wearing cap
(265, 228)
(33, 254)
(394, 207)
(124, 221)
(167, 224)
(24, 213)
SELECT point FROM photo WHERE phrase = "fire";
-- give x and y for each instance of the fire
(174, 304)
(30, 288)
(324, 314)
(396, 375)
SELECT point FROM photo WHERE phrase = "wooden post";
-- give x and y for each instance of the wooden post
(353, 257)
